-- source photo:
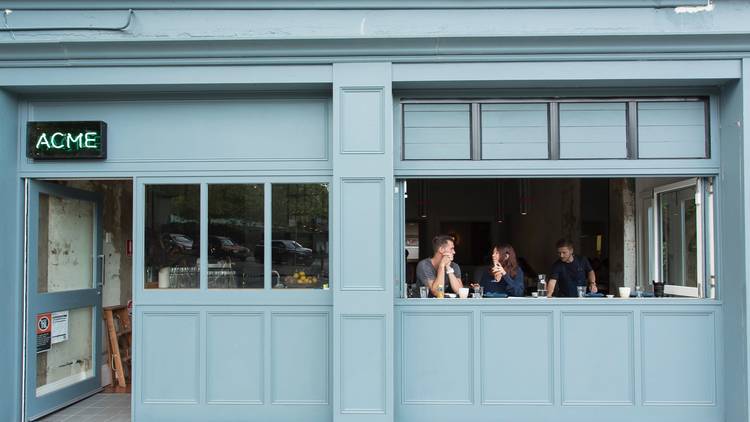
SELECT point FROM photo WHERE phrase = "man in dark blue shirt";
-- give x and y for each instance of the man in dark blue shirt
(569, 272)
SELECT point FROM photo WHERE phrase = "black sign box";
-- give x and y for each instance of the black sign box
(66, 140)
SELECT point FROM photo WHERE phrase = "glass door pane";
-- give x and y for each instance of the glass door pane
(679, 237)
(67, 357)
(66, 244)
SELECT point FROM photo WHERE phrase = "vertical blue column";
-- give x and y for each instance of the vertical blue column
(733, 193)
(362, 211)
(10, 277)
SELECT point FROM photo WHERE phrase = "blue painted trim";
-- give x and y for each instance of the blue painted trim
(183, 52)
(11, 268)
(347, 5)
(66, 300)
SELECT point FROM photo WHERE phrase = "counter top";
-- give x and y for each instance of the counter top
(531, 301)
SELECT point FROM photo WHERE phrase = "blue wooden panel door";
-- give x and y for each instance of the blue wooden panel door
(64, 297)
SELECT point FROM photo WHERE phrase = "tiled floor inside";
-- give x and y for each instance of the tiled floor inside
(102, 407)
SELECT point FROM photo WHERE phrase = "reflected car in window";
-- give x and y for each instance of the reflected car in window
(223, 246)
(177, 242)
(285, 252)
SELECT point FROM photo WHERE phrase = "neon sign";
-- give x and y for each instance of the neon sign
(66, 140)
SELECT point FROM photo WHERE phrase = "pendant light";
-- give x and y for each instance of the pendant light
(524, 199)
(499, 201)
(422, 199)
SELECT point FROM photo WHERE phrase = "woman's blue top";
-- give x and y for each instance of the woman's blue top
(512, 286)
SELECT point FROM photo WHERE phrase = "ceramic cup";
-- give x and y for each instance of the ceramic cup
(624, 291)
(463, 292)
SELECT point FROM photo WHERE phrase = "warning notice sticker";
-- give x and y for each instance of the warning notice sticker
(43, 332)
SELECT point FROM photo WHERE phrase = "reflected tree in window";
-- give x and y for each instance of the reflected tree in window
(299, 246)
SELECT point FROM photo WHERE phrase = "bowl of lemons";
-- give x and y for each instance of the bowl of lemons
(301, 279)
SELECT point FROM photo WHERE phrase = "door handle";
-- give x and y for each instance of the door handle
(101, 272)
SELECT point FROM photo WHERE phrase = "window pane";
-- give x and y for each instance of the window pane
(66, 244)
(69, 358)
(299, 250)
(679, 249)
(235, 235)
(172, 236)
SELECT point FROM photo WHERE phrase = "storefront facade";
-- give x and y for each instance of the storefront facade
(276, 94)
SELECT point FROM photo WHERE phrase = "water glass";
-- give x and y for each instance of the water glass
(423, 292)
(581, 291)
(638, 291)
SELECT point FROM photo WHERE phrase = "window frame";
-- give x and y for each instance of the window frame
(203, 294)
(705, 228)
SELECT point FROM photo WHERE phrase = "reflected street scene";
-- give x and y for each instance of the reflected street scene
(299, 249)
(235, 224)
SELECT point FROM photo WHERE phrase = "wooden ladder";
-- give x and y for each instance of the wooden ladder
(119, 332)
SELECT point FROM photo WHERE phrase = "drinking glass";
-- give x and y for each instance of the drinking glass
(581, 291)
(638, 291)
(423, 292)
(478, 291)
(541, 287)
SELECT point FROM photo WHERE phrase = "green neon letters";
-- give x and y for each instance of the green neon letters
(66, 140)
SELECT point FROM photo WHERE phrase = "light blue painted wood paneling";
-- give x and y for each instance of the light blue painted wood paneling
(11, 235)
(515, 131)
(363, 357)
(171, 357)
(362, 250)
(363, 131)
(220, 129)
(593, 130)
(300, 351)
(672, 129)
(261, 363)
(437, 131)
(436, 353)
(679, 359)
(590, 352)
(362, 244)
(594, 350)
(235, 358)
(597, 369)
(516, 363)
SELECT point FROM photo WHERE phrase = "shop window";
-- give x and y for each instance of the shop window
(299, 245)
(631, 231)
(172, 236)
(235, 236)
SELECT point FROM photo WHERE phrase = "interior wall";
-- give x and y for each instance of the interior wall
(10, 277)
(117, 223)
(573, 208)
